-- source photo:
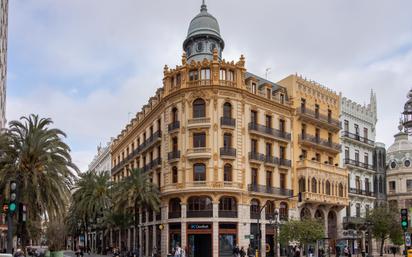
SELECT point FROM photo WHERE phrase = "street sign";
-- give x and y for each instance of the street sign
(407, 239)
(249, 236)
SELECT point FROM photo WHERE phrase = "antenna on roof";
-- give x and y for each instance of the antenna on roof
(203, 7)
(267, 71)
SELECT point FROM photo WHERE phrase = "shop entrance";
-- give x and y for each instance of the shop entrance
(200, 245)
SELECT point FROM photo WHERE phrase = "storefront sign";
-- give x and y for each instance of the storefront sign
(199, 226)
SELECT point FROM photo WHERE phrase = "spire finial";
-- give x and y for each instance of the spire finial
(203, 7)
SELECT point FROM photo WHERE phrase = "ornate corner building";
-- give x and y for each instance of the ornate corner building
(221, 143)
(3, 59)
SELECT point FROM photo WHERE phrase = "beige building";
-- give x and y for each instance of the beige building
(3, 59)
(216, 139)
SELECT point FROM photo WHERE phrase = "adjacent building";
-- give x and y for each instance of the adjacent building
(3, 59)
(317, 174)
(102, 160)
(216, 139)
(362, 156)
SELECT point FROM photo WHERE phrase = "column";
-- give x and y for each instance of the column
(140, 245)
(244, 224)
(165, 232)
(128, 239)
(134, 238)
(111, 238)
(215, 236)
(147, 239)
(154, 239)
(183, 228)
(263, 238)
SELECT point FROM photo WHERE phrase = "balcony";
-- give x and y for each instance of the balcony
(199, 214)
(227, 214)
(157, 136)
(199, 153)
(254, 215)
(173, 126)
(285, 162)
(359, 164)
(227, 122)
(270, 190)
(353, 222)
(227, 153)
(358, 139)
(319, 143)
(173, 156)
(175, 214)
(363, 192)
(227, 83)
(197, 83)
(309, 197)
(156, 163)
(269, 132)
(198, 123)
(312, 116)
(271, 160)
(256, 157)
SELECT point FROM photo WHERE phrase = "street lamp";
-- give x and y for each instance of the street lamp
(275, 224)
(369, 225)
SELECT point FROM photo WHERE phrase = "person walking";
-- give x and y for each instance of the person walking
(250, 252)
(236, 251)
(178, 251)
(242, 252)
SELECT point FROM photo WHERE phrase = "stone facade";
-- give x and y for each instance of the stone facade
(3, 59)
(102, 160)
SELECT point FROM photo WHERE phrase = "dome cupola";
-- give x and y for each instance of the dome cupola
(203, 36)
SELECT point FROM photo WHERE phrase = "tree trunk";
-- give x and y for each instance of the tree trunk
(382, 242)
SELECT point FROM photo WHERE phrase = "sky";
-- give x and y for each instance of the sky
(90, 65)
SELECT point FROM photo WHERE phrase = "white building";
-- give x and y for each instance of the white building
(102, 160)
(3, 59)
(358, 155)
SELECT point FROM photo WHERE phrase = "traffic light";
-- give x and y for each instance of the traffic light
(13, 197)
(22, 212)
(404, 219)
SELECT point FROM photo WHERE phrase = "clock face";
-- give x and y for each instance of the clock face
(393, 164)
(407, 163)
(199, 46)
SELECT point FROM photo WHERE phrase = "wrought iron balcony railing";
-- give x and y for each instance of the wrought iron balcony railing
(227, 214)
(227, 121)
(359, 164)
(270, 190)
(318, 116)
(358, 138)
(173, 155)
(269, 131)
(320, 142)
(228, 151)
(173, 126)
(256, 156)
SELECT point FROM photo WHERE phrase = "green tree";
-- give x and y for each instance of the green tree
(386, 225)
(304, 231)
(34, 155)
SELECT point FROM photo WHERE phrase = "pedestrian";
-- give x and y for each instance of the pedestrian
(346, 251)
(297, 251)
(184, 251)
(242, 252)
(236, 251)
(178, 251)
(78, 252)
(393, 249)
(250, 252)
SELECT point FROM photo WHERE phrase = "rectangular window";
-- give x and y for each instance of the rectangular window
(178, 79)
(365, 133)
(268, 178)
(357, 183)
(268, 93)
(268, 149)
(193, 75)
(159, 125)
(282, 125)
(357, 157)
(409, 185)
(367, 208)
(254, 176)
(204, 74)
(367, 185)
(253, 88)
(282, 152)
(303, 105)
(253, 117)
(231, 75)
(304, 154)
(347, 156)
(358, 210)
(253, 146)
(392, 185)
(317, 110)
(282, 180)
(199, 140)
(222, 74)
(151, 130)
(268, 121)
(282, 98)
(303, 131)
(227, 140)
(330, 160)
(366, 159)
(329, 115)
(330, 138)
(346, 125)
(317, 135)
(318, 157)
(356, 129)
(174, 144)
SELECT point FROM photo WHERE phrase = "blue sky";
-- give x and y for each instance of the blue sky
(87, 64)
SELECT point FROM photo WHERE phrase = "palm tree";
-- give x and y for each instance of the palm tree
(91, 197)
(35, 156)
(136, 191)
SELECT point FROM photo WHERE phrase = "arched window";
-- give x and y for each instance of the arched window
(227, 140)
(227, 207)
(314, 185)
(305, 213)
(199, 172)
(283, 211)
(302, 186)
(227, 110)
(254, 209)
(340, 190)
(174, 115)
(199, 206)
(270, 210)
(227, 172)
(174, 208)
(327, 187)
(199, 108)
(174, 175)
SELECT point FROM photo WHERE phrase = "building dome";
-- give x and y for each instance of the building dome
(203, 36)
(401, 144)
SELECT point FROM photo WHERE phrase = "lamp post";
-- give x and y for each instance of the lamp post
(369, 225)
(275, 224)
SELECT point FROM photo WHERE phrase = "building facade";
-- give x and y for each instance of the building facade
(102, 160)
(216, 139)
(359, 156)
(317, 174)
(3, 59)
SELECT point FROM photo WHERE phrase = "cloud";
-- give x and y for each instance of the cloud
(87, 64)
